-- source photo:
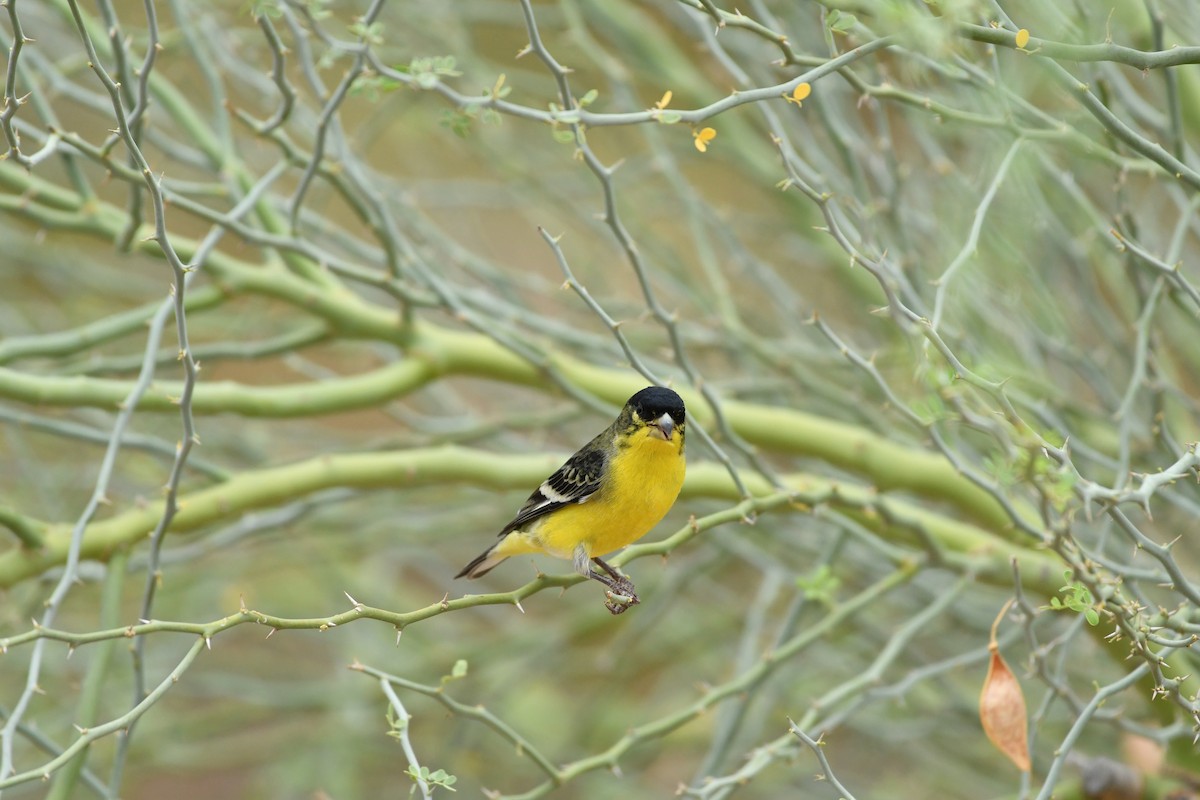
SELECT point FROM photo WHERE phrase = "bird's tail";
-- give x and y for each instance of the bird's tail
(483, 564)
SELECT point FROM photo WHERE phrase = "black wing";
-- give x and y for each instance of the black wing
(574, 482)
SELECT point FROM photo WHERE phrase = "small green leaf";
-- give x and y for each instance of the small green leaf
(328, 59)
(443, 779)
(1061, 489)
(1076, 597)
(317, 10)
(839, 22)
(669, 117)
(436, 778)
(397, 724)
(588, 98)
(372, 33)
(457, 122)
(372, 86)
(1003, 470)
(264, 8)
(427, 68)
(820, 585)
(564, 136)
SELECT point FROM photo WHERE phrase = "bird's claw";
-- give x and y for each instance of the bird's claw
(621, 596)
(618, 604)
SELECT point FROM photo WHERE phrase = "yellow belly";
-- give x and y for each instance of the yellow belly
(644, 480)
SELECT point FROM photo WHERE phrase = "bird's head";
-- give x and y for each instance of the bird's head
(660, 409)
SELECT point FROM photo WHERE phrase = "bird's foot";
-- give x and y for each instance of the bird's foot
(621, 596)
(620, 592)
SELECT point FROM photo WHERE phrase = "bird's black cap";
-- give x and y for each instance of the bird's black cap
(654, 401)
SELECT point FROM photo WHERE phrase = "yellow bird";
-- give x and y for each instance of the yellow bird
(608, 495)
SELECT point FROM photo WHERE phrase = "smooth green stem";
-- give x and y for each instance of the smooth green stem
(431, 352)
(29, 531)
(93, 685)
(441, 465)
(1044, 48)
(70, 342)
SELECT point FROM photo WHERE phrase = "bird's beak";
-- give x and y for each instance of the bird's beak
(663, 426)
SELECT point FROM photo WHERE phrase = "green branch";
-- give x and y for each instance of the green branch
(609, 759)
(1044, 48)
(75, 340)
(92, 734)
(29, 531)
(366, 390)
(93, 691)
(400, 620)
(444, 465)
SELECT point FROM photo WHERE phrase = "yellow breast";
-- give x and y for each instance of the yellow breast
(644, 479)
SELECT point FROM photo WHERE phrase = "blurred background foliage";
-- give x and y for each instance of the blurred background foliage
(890, 302)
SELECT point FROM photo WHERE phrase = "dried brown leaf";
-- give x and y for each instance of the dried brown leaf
(1002, 706)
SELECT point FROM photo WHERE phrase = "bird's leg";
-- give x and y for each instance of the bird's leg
(616, 576)
(620, 585)
(617, 583)
(582, 566)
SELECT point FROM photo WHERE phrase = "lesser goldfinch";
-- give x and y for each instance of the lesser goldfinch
(608, 495)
